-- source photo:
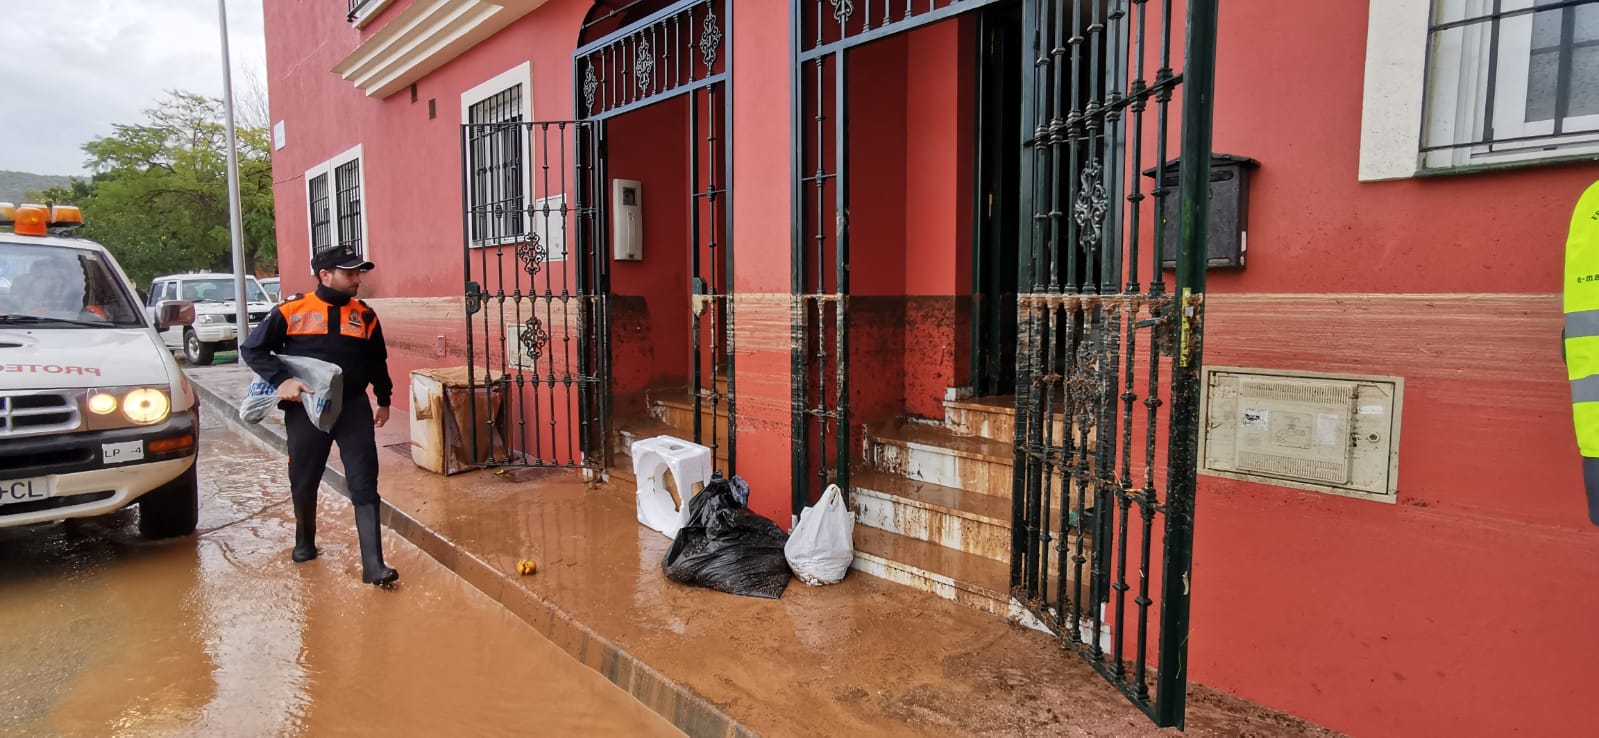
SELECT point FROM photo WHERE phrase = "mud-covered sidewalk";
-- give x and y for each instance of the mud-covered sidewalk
(864, 657)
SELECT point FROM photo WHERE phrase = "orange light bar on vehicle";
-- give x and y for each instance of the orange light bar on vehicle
(7, 212)
(64, 215)
(31, 220)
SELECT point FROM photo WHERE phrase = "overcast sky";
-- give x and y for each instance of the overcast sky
(69, 69)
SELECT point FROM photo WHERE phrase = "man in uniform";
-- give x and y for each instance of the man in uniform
(1581, 336)
(331, 325)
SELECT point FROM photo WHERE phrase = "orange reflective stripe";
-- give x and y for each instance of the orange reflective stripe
(307, 316)
(356, 321)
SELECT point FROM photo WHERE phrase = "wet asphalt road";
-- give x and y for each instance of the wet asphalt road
(220, 634)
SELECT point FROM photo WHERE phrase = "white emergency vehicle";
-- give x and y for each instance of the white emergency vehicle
(94, 413)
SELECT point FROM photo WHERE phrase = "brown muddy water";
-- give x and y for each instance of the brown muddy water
(102, 634)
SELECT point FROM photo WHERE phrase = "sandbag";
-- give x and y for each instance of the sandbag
(725, 547)
(321, 403)
(822, 545)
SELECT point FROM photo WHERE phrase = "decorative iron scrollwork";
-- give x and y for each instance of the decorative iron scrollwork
(1084, 386)
(710, 38)
(842, 9)
(644, 65)
(1091, 206)
(591, 85)
(533, 253)
(533, 338)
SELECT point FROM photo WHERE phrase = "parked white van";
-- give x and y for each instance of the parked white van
(214, 312)
(94, 413)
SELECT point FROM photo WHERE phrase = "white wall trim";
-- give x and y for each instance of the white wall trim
(424, 37)
(327, 167)
(1396, 85)
(521, 74)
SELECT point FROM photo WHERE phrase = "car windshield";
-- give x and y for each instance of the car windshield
(219, 290)
(62, 286)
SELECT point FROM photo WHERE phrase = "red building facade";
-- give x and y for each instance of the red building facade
(1404, 225)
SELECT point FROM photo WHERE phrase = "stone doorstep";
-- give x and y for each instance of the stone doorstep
(679, 705)
(937, 455)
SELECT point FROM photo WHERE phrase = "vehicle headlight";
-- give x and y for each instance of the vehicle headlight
(211, 319)
(146, 406)
(102, 403)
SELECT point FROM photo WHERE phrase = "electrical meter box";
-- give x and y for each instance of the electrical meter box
(1330, 433)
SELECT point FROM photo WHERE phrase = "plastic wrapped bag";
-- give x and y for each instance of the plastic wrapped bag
(258, 399)
(322, 402)
(822, 545)
(727, 548)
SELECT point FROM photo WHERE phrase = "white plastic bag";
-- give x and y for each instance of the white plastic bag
(822, 545)
(322, 403)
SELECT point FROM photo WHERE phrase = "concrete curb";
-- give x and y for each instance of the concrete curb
(680, 706)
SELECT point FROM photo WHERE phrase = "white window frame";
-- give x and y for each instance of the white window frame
(328, 167)
(366, 13)
(1396, 94)
(520, 75)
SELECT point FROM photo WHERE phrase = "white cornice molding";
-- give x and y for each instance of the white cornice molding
(423, 38)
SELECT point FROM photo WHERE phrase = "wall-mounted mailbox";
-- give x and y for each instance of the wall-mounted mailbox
(1229, 211)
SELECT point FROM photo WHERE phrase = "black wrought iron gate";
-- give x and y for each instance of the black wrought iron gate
(1108, 358)
(1108, 353)
(535, 292)
(643, 53)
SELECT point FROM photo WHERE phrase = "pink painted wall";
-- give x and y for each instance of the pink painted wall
(1458, 611)
(650, 145)
(940, 92)
(763, 173)
(911, 147)
(411, 164)
(878, 207)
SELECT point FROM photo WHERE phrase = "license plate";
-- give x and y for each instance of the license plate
(122, 453)
(24, 490)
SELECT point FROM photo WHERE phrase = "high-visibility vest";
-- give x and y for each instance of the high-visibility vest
(1581, 334)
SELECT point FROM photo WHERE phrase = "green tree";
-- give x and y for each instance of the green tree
(158, 195)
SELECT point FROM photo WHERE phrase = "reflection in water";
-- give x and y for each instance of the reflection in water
(220, 634)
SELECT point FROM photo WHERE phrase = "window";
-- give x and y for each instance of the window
(333, 195)
(1456, 84)
(1511, 80)
(495, 114)
(361, 12)
(320, 225)
(347, 180)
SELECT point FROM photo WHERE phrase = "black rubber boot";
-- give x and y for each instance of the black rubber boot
(304, 532)
(373, 570)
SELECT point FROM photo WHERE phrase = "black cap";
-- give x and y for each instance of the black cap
(339, 257)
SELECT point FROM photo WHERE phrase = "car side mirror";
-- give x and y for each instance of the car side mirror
(174, 312)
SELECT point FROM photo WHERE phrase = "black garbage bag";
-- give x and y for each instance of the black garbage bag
(727, 548)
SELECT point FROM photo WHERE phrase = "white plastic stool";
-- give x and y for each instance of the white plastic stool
(689, 464)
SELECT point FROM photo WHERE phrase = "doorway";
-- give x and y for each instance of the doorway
(996, 251)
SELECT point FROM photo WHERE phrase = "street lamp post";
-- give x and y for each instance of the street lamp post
(235, 225)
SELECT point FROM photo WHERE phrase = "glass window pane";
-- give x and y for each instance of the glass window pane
(1587, 23)
(1452, 11)
(1584, 90)
(1546, 29)
(1542, 75)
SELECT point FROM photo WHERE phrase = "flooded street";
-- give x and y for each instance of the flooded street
(220, 634)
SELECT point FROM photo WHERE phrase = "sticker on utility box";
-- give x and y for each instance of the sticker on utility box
(122, 453)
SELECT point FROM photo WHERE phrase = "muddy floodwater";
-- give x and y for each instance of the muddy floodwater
(220, 634)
